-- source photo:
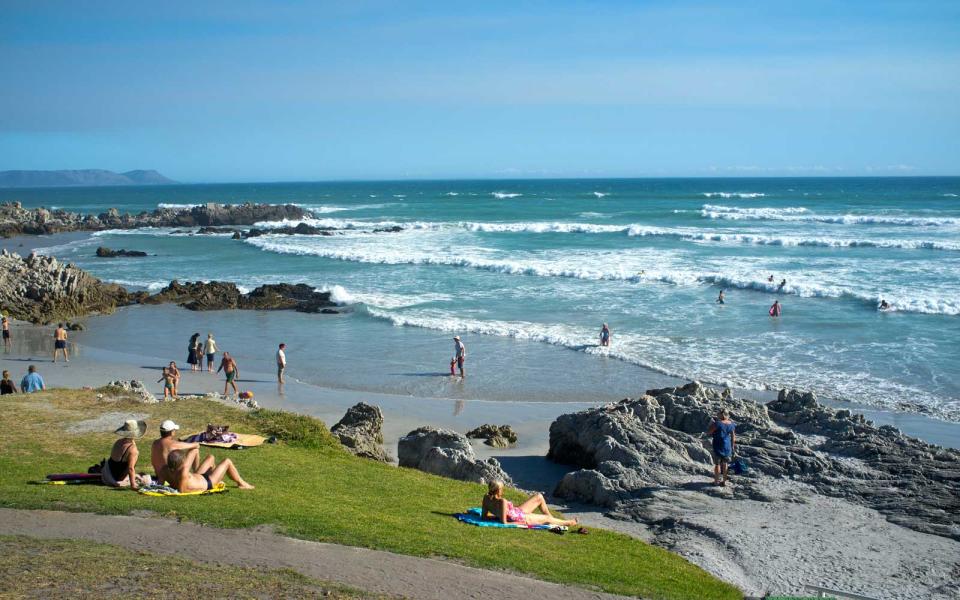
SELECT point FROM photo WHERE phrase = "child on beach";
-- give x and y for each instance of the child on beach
(169, 384)
(453, 366)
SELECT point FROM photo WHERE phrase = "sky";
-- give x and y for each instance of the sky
(297, 91)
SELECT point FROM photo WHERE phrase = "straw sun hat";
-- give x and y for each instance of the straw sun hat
(132, 429)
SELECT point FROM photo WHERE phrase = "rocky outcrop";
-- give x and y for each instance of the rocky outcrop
(133, 388)
(15, 220)
(448, 454)
(361, 432)
(220, 295)
(631, 449)
(299, 229)
(104, 252)
(498, 436)
(41, 289)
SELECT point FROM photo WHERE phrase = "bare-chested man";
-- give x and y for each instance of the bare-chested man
(60, 342)
(229, 368)
(167, 443)
(178, 468)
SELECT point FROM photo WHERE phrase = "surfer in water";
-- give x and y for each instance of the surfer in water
(884, 305)
(770, 279)
(775, 309)
(720, 298)
(782, 285)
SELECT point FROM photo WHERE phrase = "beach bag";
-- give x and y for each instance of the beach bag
(739, 467)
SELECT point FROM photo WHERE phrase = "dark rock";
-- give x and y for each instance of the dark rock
(393, 229)
(104, 252)
(361, 432)
(299, 229)
(498, 436)
(220, 295)
(448, 454)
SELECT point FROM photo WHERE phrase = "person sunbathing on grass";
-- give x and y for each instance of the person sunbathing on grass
(180, 476)
(500, 509)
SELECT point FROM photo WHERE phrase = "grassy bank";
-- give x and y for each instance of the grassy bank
(308, 487)
(31, 568)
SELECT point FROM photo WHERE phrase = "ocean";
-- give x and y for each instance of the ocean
(527, 271)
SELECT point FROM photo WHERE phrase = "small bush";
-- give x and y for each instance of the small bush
(296, 430)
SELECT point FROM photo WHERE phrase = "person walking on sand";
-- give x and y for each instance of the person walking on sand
(169, 384)
(460, 354)
(775, 309)
(210, 349)
(724, 435)
(281, 362)
(230, 370)
(60, 342)
(172, 367)
(605, 335)
(6, 334)
(32, 381)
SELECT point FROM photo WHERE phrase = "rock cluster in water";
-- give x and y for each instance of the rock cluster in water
(448, 454)
(104, 252)
(361, 432)
(498, 436)
(630, 449)
(41, 289)
(15, 220)
(221, 295)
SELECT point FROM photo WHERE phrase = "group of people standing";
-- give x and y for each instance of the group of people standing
(198, 350)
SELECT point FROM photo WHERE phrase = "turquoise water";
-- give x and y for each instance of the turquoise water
(548, 262)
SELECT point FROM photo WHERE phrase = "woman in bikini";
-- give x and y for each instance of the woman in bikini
(178, 469)
(497, 507)
(120, 469)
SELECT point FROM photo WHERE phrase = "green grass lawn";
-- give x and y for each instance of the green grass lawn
(309, 487)
(31, 568)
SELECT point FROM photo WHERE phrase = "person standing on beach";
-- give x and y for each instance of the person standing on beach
(210, 349)
(32, 381)
(460, 354)
(605, 335)
(6, 334)
(281, 362)
(60, 342)
(775, 309)
(230, 370)
(193, 358)
(724, 435)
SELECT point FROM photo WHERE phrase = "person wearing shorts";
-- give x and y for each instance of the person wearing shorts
(724, 445)
(210, 349)
(231, 371)
(6, 334)
(281, 362)
(60, 342)
(460, 354)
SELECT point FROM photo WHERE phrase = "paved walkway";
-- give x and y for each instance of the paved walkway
(369, 570)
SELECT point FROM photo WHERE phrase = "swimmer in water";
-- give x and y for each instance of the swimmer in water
(770, 279)
(782, 284)
(605, 335)
(720, 298)
(884, 305)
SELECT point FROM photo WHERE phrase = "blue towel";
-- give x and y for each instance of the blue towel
(473, 517)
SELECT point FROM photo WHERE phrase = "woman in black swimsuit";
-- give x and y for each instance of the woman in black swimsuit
(120, 469)
(193, 355)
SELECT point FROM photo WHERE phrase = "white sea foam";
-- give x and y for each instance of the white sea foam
(593, 215)
(949, 195)
(601, 194)
(801, 214)
(453, 193)
(176, 206)
(503, 195)
(734, 194)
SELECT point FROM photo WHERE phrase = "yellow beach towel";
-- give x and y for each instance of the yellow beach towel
(164, 491)
(245, 440)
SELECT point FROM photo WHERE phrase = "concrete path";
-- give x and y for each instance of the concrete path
(369, 570)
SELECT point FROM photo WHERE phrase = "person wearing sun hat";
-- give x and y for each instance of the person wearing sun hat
(459, 354)
(120, 468)
(168, 442)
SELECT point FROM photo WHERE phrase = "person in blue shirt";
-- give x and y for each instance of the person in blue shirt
(32, 382)
(724, 435)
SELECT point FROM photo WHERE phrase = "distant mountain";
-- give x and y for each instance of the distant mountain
(83, 177)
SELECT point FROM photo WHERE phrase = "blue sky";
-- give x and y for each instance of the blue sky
(247, 91)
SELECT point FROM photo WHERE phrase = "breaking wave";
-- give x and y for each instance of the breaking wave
(800, 214)
(733, 194)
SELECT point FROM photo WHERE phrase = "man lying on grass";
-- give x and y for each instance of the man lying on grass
(178, 470)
